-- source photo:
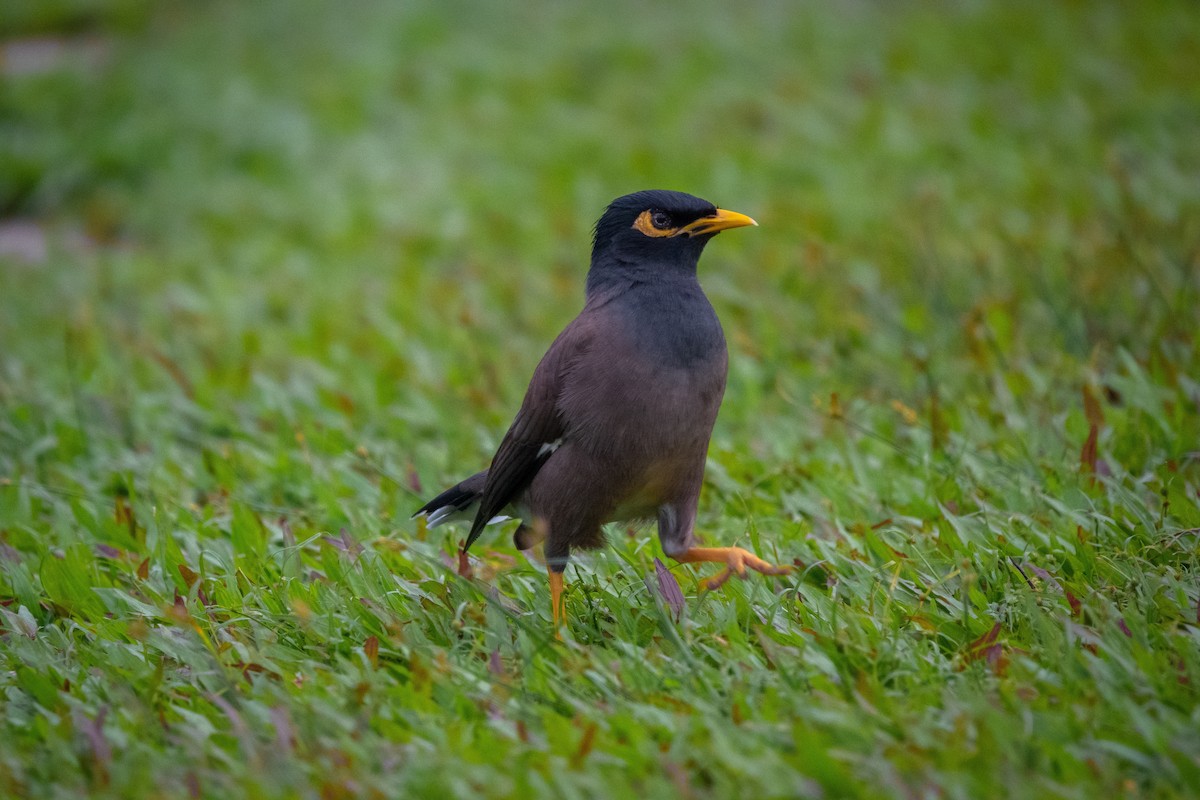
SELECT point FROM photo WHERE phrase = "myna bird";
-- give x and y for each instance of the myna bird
(616, 421)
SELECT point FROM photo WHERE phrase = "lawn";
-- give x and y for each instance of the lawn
(273, 273)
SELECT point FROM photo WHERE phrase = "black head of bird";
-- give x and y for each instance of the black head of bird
(616, 421)
(657, 232)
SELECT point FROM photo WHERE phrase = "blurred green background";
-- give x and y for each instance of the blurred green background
(272, 273)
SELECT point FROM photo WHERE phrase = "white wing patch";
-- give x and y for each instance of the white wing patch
(441, 515)
(549, 447)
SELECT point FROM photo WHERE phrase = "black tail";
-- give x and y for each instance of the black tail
(457, 498)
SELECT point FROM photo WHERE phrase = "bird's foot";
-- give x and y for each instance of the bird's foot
(736, 561)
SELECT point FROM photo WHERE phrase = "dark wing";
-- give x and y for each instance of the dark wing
(536, 431)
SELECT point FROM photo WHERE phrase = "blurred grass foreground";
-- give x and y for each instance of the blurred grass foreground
(272, 272)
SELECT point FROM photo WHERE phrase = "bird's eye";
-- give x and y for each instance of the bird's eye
(660, 220)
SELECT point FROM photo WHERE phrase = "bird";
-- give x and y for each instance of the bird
(616, 422)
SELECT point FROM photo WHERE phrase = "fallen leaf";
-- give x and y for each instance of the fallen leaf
(1087, 456)
(1091, 407)
(669, 589)
(371, 648)
(984, 641)
(987, 647)
(189, 577)
(1073, 601)
(585, 746)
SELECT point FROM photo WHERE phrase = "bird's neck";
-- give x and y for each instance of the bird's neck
(614, 273)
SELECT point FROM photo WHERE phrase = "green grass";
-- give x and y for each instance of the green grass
(303, 257)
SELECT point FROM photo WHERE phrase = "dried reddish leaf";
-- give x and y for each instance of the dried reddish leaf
(122, 513)
(997, 660)
(1091, 407)
(1073, 601)
(978, 648)
(1124, 628)
(464, 563)
(987, 647)
(371, 648)
(143, 570)
(1087, 456)
(585, 746)
(177, 612)
(189, 577)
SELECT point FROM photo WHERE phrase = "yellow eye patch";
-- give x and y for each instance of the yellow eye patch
(645, 224)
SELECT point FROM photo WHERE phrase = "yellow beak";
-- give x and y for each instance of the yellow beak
(722, 220)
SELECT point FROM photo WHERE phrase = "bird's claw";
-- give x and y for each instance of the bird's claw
(737, 560)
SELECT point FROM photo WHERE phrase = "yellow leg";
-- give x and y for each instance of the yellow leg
(735, 559)
(556, 601)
